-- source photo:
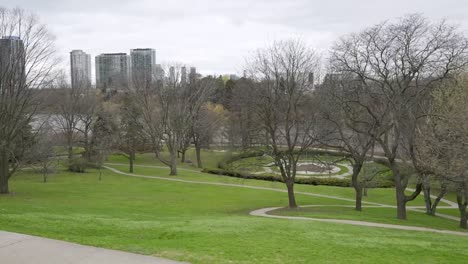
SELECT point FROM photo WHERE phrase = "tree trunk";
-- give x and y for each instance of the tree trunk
(4, 172)
(357, 186)
(183, 156)
(173, 170)
(427, 199)
(463, 219)
(401, 203)
(399, 192)
(291, 196)
(173, 163)
(131, 160)
(462, 208)
(198, 152)
(441, 195)
(70, 151)
(86, 145)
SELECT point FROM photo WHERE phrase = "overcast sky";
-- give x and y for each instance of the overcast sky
(216, 36)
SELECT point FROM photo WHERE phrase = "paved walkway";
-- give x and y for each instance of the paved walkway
(264, 213)
(23, 249)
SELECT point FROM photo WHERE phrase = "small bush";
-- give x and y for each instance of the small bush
(78, 165)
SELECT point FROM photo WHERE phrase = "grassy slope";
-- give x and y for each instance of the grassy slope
(380, 215)
(206, 224)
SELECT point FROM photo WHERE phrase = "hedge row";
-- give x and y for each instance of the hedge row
(298, 180)
(223, 169)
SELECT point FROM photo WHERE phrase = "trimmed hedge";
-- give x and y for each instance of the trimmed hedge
(299, 180)
(223, 169)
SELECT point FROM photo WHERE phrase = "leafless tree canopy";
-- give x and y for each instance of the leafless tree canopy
(24, 67)
(285, 104)
(397, 65)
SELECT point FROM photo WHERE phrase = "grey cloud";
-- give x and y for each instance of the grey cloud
(217, 35)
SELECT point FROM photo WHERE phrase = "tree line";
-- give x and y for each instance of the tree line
(396, 90)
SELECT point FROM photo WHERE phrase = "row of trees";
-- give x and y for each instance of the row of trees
(396, 89)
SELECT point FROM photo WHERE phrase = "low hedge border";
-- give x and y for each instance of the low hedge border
(224, 171)
(299, 180)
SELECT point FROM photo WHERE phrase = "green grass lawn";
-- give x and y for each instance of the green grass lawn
(371, 214)
(210, 224)
(385, 195)
(210, 158)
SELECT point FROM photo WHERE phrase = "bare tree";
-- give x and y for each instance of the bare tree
(244, 128)
(88, 105)
(446, 147)
(26, 63)
(345, 120)
(66, 113)
(163, 113)
(285, 104)
(130, 137)
(42, 156)
(398, 64)
(201, 120)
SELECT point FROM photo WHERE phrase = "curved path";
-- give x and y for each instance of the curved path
(452, 204)
(233, 185)
(263, 212)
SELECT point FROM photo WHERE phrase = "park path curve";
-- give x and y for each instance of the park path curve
(24, 249)
(264, 213)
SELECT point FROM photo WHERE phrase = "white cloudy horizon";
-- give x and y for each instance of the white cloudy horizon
(216, 36)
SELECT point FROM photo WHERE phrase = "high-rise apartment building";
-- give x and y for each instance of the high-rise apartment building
(143, 65)
(80, 69)
(12, 61)
(183, 74)
(193, 74)
(159, 72)
(113, 71)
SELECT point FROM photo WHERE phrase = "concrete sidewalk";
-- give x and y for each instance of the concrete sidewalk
(23, 249)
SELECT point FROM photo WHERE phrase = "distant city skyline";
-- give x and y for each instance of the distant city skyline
(216, 36)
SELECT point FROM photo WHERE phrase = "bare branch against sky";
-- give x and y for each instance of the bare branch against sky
(217, 35)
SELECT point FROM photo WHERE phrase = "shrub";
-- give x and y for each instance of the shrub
(384, 181)
(78, 165)
(299, 180)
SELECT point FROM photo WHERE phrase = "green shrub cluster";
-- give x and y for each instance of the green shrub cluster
(299, 180)
(226, 170)
(77, 165)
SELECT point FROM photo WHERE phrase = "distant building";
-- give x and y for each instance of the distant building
(159, 72)
(143, 65)
(183, 74)
(80, 69)
(172, 75)
(12, 60)
(113, 71)
(193, 74)
(233, 77)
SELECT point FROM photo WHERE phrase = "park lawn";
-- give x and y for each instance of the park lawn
(201, 223)
(449, 211)
(210, 159)
(377, 195)
(371, 214)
